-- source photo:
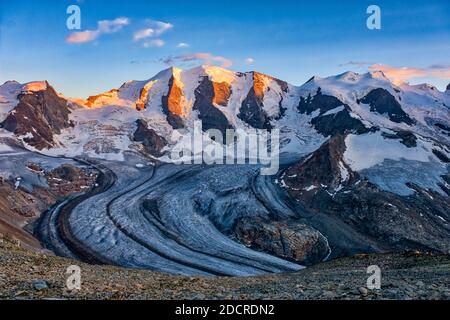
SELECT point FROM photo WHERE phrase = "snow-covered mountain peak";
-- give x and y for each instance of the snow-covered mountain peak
(8, 97)
(10, 87)
(35, 86)
(354, 77)
(166, 74)
(426, 87)
(347, 86)
(218, 74)
(377, 75)
(348, 76)
(421, 92)
(10, 83)
(10, 91)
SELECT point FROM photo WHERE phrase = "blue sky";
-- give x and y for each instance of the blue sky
(292, 40)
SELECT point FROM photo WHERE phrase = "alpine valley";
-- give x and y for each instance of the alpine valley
(364, 168)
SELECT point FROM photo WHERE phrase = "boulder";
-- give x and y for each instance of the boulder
(288, 240)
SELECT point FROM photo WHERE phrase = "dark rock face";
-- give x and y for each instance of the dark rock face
(407, 138)
(382, 102)
(448, 87)
(320, 102)
(387, 221)
(152, 142)
(171, 105)
(252, 112)
(285, 88)
(67, 172)
(322, 168)
(395, 222)
(439, 124)
(283, 85)
(211, 117)
(39, 114)
(339, 123)
(252, 108)
(291, 241)
(446, 187)
(330, 124)
(443, 127)
(441, 156)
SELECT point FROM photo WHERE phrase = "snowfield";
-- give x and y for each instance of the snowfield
(368, 150)
(390, 164)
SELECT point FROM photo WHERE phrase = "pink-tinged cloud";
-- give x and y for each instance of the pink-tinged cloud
(103, 27)
(203, 57)
(142, 34)
(81, 37)
(407, 73)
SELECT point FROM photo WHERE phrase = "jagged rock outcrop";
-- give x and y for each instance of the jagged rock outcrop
(406, 137)
(171, 105)
(151, 141)
(222, 93)
(143, 96)
(324, 184)
(211, 117)
(253, 111)
(291, 241)
(334, 116)
(67, 172)
(320, 101)
(324, 169)
(441, 156)
(92, 100)
(338, 123)
(38, 116)
(382, 102)
(444, 129)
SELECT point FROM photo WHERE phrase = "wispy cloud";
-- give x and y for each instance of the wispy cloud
(355, 63)
(183, 45)
(103, 27)
(144, 61)
(407, 73)
(154, 29)
(161, 27)
(249, 60)
(142, 34)
(202, 57)
(153, 43)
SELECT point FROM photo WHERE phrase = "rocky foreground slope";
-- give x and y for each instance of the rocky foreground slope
(25, 275)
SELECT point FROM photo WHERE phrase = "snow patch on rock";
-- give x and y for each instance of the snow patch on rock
(368, 150)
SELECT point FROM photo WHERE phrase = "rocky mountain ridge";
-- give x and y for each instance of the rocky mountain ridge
(374, 154)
